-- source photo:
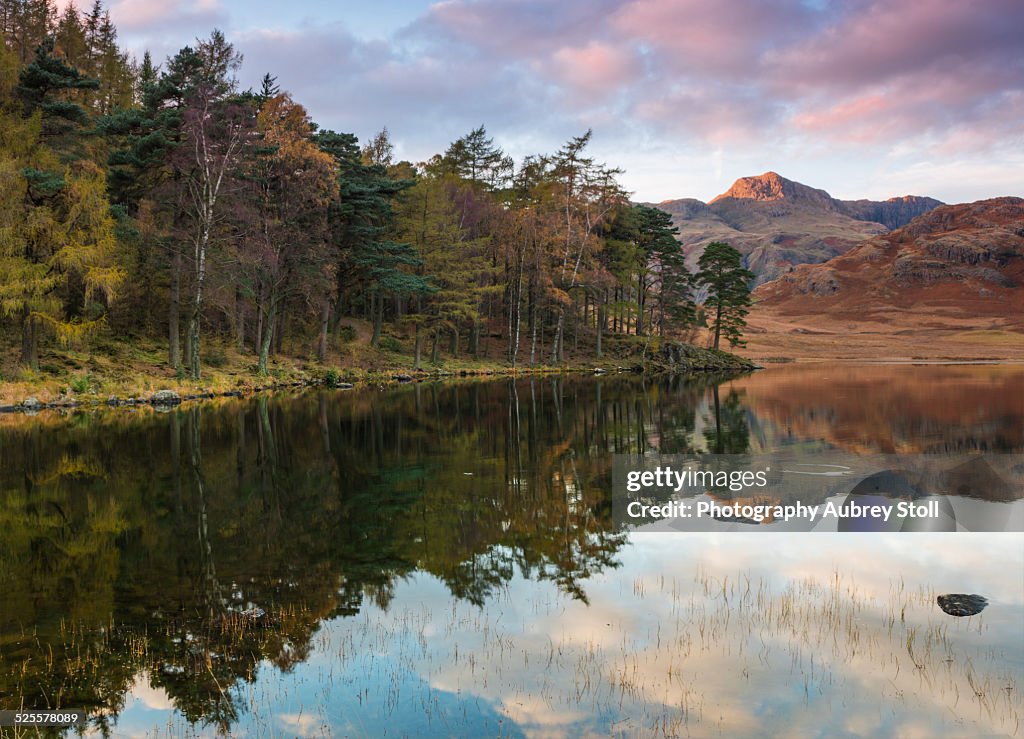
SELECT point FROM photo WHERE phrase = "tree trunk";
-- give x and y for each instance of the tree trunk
(268, 336)
(718, 322)
(556, 345)
(640, 306)
(239, 319)
(434, 347)
(325, 320)
(29, 341)
(474, 340)
(455, 341)
(257, 340)
(600, 327)
(419, 347)
(377, 311)
(174, 315)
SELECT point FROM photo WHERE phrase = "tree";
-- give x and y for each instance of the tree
(475, 158)
(379, 151)
(722, 272)
(215, 129)
(57, 240)
(294, 181)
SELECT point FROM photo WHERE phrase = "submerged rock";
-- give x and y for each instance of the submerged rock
(959, 604)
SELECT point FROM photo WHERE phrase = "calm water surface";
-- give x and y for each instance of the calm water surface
(439, 559)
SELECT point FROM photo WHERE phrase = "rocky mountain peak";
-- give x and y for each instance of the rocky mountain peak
(773, 186)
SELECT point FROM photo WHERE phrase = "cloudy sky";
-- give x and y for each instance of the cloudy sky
(862, 98)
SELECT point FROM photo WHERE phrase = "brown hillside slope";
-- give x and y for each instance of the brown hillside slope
(949, 284)
(777, 223)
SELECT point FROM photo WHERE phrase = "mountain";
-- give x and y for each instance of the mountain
(957, 268)
(777, 223)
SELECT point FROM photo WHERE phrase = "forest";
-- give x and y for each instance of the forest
(146, 201)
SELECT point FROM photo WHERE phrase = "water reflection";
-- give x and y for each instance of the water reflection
(199, 558)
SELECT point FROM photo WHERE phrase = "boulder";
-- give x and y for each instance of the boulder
(960, 604)
(165, 398)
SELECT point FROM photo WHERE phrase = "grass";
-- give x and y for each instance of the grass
(670, 657)
(138, 367)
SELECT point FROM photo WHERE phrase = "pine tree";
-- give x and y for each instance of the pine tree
(722, 272)
(475, 158)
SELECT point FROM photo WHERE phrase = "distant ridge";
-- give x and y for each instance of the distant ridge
(777, 223)
(957, 267)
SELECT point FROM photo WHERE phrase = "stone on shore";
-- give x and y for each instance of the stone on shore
(165, 398)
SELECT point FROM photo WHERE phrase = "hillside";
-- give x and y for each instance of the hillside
(947, 284)
(777, 223)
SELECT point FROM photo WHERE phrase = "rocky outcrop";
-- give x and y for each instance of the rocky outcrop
(675, 356)
(892, 213)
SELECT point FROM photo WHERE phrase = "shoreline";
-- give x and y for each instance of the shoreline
(157, 393)
(33, 397)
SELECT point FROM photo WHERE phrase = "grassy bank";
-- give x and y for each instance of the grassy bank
(119, 371)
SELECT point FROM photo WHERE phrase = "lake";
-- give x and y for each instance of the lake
(440, 558)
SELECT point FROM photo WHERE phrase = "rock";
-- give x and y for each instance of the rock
(959, 604)
(344, 386)
(165, 397)
(31, 404)
(113, 400)
(402, 378)
(600, 371)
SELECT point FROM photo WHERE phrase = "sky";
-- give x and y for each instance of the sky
(861, 98)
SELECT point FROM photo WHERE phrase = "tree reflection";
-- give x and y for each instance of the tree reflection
(196, 547)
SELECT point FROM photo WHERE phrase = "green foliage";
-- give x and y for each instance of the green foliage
(161, 201)
(215, 358)
(81, 384)
(728, 285)
(390, 344)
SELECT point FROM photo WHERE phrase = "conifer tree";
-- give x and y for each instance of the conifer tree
(728, 284)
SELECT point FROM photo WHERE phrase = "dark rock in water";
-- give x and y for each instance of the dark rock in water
(737, 519)
(959, 604)
(31, 404)
(165, 397)
(403, 378)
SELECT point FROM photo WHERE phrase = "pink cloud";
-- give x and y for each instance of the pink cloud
(883, 40)
(595, 69)
(701, 37)
(136, 15)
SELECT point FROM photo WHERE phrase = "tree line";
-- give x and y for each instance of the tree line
(163, 200)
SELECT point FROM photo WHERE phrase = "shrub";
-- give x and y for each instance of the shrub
(216, 359)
